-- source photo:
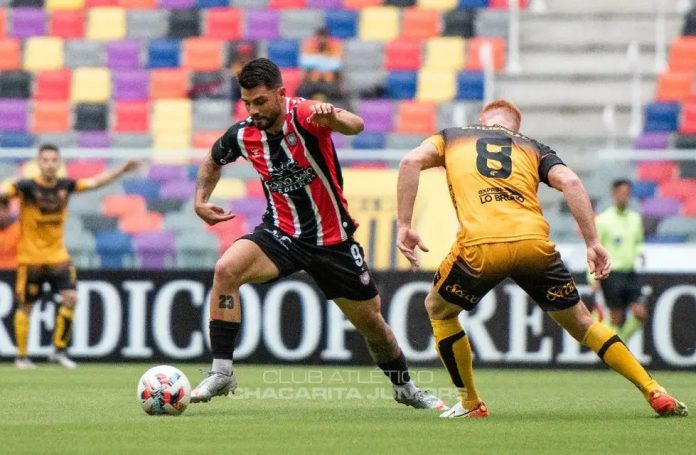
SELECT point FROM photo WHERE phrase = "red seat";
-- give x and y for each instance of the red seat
(229, 231)
(417, 23)
(67, 24)
(682, 54)
(51, 116)
(689, 208)
(505, 4)
(292, 78)
(3, 22)
(10, 54)
(118, 205)
(202, 54)
(688, 118)
(254, 188)
(657, 171)
(403, 54)
(169, 83)
(416, 117)
(205, 139)
(240, 112)
(223, 23)
(97, 3)
(682, 189)
(136, 223)
(132, 116)
(674, 86)
(473, 61)
(285, 4)
(52, 85)
(80, 169)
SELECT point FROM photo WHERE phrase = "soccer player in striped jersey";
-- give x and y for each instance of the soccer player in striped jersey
(306, 225)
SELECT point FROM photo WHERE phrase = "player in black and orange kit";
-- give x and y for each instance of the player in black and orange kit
(493, 173)
(42, 256)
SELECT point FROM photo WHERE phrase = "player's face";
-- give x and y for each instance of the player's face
(49, 162)
(622, 196)
(264, 105)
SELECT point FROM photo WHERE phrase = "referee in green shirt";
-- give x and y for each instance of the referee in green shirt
(621, 233)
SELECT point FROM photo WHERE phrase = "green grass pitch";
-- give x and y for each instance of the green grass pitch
(287, 410)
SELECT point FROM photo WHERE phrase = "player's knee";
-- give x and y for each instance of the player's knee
(227, 271)
(69, 300)
(640, 312)
(437, 308)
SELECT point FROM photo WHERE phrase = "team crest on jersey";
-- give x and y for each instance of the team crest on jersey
(291, 139)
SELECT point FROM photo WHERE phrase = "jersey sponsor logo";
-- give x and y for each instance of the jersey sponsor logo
(288, 177)
(461, 293)
(561, 291)
(498, 194)
(284, 240)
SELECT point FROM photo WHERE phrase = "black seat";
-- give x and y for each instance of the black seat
(91, 117)
(184, 23)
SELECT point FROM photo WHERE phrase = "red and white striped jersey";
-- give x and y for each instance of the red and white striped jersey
(300, 174)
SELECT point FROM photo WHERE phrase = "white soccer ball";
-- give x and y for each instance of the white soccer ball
(164, 390)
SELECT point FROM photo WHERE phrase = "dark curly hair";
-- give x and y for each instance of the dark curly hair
(260, 71)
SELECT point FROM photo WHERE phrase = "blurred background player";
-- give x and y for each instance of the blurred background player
(9, 237)
(42, 256)
(493, 174)
(620, 231)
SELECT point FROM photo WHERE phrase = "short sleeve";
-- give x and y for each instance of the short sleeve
(547, 159)
(438, 140)
(81, 185)
(10, 188)
(226, 149)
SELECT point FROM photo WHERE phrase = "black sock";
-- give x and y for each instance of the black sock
(223, 335)
(396, 370)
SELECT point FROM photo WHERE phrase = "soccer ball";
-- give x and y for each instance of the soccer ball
(164, 390)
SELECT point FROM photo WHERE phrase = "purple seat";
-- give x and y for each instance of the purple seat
(340, 141)
(155, 249)
(178, 190)
(28, 22)
(123, 54)
(13, 115)
(652, 141)
(167, 172)
(93, 139)
(377, 115)
(177, 4)
(131, 85)
(324, 4)
(660, 207)
(252, 208)
(262, 24)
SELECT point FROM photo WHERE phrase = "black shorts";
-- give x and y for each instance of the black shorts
(31, 278)
(621, 289)
(339, 270)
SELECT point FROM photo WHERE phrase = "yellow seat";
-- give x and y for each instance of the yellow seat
(446, 52)
(64, 4)
(229, 189)
(172, 140)
(379, 23)
(43, 53)
(171, 116)
(91, 85)
(106, 23)
(441, 5)
(436, 85)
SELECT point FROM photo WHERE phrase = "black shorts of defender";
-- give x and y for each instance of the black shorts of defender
(31, 278)
(339, 270)
(621, 289)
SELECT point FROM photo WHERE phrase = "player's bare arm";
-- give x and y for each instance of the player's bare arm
(565, 180)
(208, 176)
(109, 176)
(339, 120)
(423, 157)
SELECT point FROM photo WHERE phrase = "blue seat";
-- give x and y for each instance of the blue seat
(661, 117)
(342, 23)
(16, 139)
(285, 53)
(401, 85)
(212, 3)
(192, 172)
(643, 189)
(470, 85)
(149, 189)
(666, 238)
(163, 53)
(114, 248)
(473, 4)
(369, 141)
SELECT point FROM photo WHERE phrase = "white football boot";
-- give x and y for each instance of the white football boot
(215, 384)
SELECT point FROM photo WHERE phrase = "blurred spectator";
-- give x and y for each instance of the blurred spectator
(245, 53)
(208, 85)
(9, 237)
(321, 64)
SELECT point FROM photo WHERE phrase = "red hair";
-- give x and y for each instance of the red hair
(503, 105)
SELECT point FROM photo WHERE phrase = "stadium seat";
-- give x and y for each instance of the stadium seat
(250, 208)
(204, 139)
(91, 117)
(254, 188)
(324, 4)
(687, 125)
(106, 23)
(51, 116)
(163, 53)
(300, 24)
(15, 84)
(94, 222)
(404, 141)
(660, 207)
(16, 139)
(228, 232)
(182, 190)
(97, 3)
(403, 55)
(85, 53)
(473, 55)
(440, 5)
(211, 114)
(171, 140)
(131, 116)
(177, 4)
(3, 22)
(131, 85)
(164, 206)
(473, 4)
(93, 139)
(137, 4)
(402, 85)
(10, 54)
(400, 3)
(360, 54)
(682, 54)
(652, 141)
(286, 4)
(685, 141)
(203, 54)
(155, 250)
(229, 188)
(682, 189)
(115, 249)
(262, 24)
(292, 79)
(91, 85)
(149, 189)
(657, 171)
(212, 3)
(123, 54)
(436, 85)
(666, 238)
(13, 115)
(43, 53)
(368, 140)
(184, 23)
(197, 251)
(64, 4)
(223, 23)
(689, 209)
(285, 53)
(459, 22)
(445, 53)
(169, 83)
(416, 117)
(249, 4)
(687, 169)
(674, 86)
(470, 85)
(377, 115)
(80, 169)
(166, 172)
(147, 24)
(379, 23)
(118, 205)
(341, 23)
(28, 22)
(131, 141)
(504, 4)
(643, 189)
(417, 23)
(360, 4)
(67, 24)
(661, 116)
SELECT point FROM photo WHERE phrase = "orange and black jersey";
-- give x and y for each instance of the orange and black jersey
(493, 174)
(42, 213)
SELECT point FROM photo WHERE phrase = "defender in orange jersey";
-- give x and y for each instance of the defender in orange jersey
(42, 255)
(493, 173)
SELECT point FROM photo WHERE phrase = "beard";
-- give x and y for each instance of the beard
(263, 122)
